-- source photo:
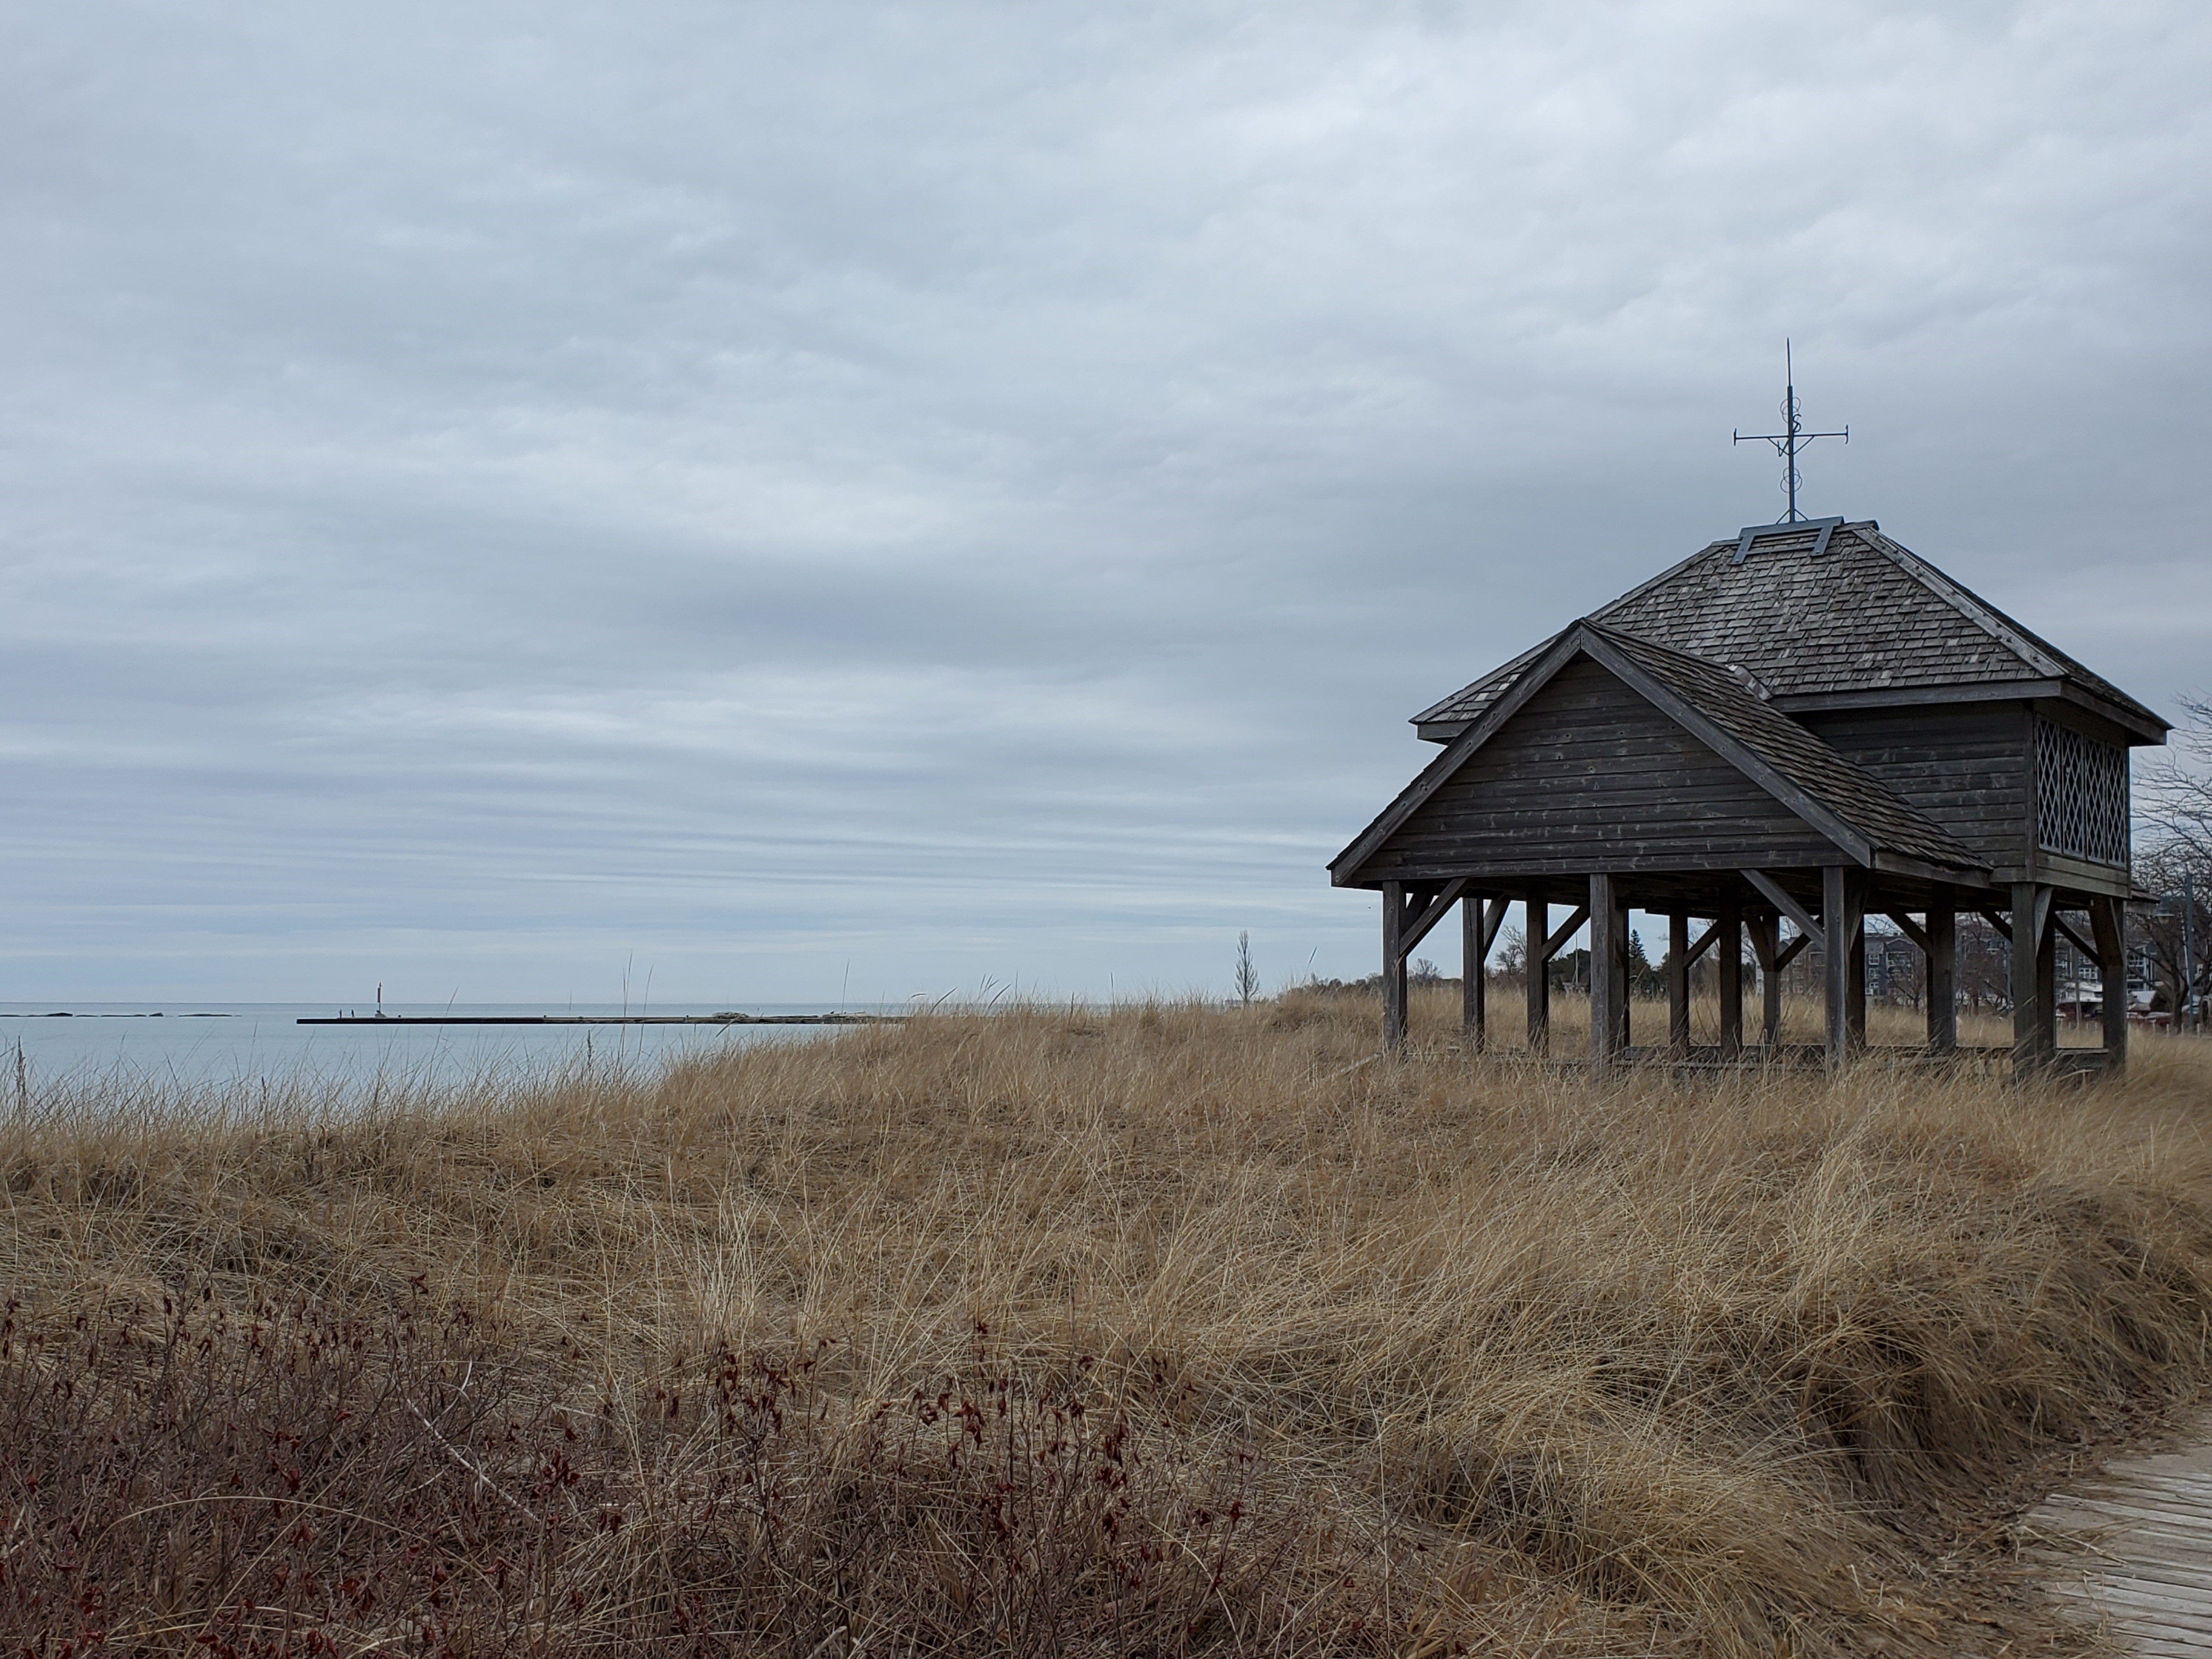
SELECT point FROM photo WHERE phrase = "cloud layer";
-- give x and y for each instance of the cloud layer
(972, 490)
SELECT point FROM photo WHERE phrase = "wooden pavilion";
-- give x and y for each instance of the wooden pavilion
(1806, 721)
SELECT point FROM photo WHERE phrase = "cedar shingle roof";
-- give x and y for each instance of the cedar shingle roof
(1866, 615)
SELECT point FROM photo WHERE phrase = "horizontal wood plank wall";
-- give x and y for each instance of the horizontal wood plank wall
(1590, 776)
(1966, 767)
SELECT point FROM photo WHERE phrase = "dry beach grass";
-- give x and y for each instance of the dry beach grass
(1051, 1331)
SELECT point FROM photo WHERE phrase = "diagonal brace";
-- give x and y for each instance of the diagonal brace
(1704, 943)
(2080, 943)
(1567, 931)
(1911, 929)
(1781, 901)
(1419, 926)
(1493, 919)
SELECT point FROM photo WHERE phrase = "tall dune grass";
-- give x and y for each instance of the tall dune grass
(1053, 1331)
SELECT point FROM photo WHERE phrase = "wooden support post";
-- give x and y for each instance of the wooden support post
(1942, 971)
(2108, 923)
(1622, 1001)
(1855, 989)
(2034, 1011)
(1394, 965)
(1609, 974)
(1843, 928)
(2046, 985)
(1538, 930)
(1678, 984)
(1728, 959)
(1766, 946)
(1474, 947)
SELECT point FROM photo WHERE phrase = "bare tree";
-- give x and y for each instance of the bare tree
(1510, 958)
(1248, 976)
(2166, 939)
(2177, 865)
(2176, 797)
(1983, 964)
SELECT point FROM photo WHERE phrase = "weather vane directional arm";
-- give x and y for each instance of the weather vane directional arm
(1788, 443)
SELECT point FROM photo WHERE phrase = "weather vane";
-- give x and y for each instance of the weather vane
(1787, 444)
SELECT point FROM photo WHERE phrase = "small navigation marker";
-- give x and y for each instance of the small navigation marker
(1788, 443)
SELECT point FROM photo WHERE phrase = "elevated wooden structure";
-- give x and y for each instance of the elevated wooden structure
(1805, 722)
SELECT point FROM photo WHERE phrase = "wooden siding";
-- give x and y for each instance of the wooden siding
(1590, 777)
(1966, 767)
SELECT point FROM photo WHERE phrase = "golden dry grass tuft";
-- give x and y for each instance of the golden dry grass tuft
(1055, 1331)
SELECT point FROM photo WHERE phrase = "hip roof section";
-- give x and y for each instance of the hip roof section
(1821, 610)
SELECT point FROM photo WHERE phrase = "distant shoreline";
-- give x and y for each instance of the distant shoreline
(601, 1019)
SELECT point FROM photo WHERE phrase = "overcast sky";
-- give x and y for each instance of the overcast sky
(818, 500)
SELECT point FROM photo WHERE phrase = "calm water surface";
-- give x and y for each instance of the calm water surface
(198, 1044)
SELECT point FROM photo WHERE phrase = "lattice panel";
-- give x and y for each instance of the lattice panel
(2081, 793)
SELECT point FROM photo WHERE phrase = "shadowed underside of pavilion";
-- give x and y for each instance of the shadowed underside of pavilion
(1804, 724)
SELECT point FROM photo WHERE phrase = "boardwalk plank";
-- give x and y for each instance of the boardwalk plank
(2141, 1557)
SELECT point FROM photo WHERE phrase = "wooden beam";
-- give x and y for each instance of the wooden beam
(1557, 941)
(1995, 920)
(2107, 920)
(1897, 864)
(2046, 975)
(1394, 965)
(1704, 942)
(1942, 948)
(1475, 950)
(1911, 929)
(1729, 930)
(2059, 921)
(1781, 901)
(1788, 953)
(1480, 920)
(1538, 966)
(1493, 921)
(1607, 973)
(1438, 906)
(1678, 982)
(2034, 1017)
(1766, 945)
(1843, 911)
(1855, 964)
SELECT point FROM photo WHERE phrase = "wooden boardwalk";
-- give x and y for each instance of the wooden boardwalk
(2144, 1574)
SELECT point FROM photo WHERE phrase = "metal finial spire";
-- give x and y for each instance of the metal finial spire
(1788, 443)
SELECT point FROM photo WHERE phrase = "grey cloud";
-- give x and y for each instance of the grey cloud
(978, 489)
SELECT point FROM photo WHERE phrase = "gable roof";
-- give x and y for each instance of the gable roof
(1821, 609)
(1839, 799)
(1844, 787)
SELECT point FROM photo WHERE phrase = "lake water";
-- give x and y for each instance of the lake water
(195, 1045)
